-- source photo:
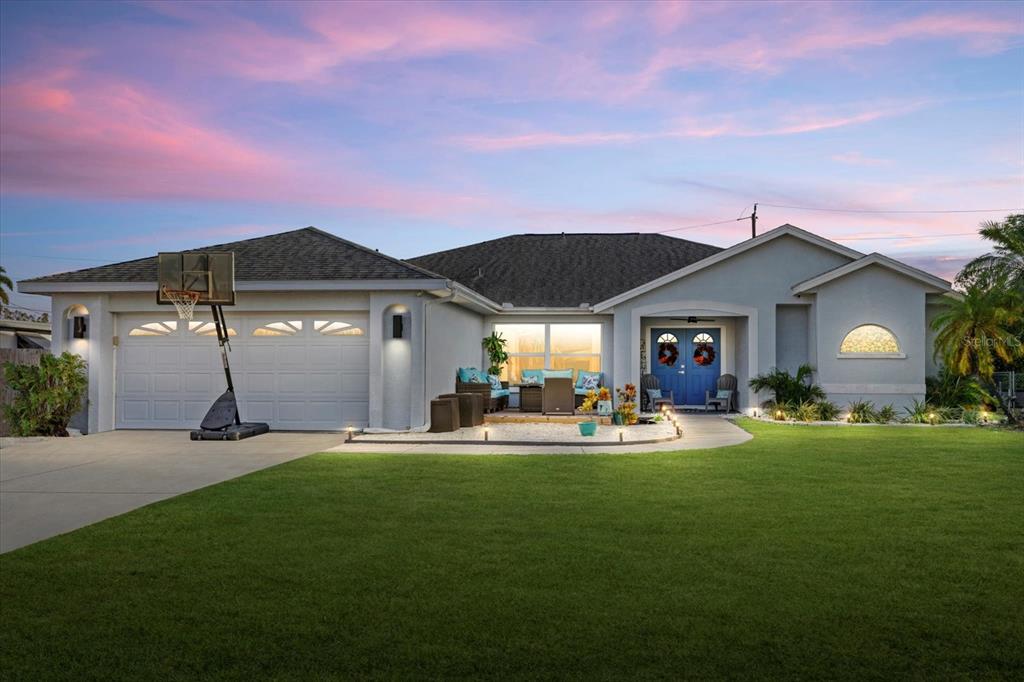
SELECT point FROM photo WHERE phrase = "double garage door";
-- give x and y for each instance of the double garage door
(298, 372)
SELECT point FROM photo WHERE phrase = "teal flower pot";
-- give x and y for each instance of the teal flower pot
(588, 428)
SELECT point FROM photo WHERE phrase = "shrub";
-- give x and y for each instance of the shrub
(862, 412)
(807, 411)
(828, 411)
(950, 390)
(970, 416)
(886, 414)
(48, 395)
(777, 411)
(920, 412)
(786, 388)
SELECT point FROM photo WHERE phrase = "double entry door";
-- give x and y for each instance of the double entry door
(686, 361)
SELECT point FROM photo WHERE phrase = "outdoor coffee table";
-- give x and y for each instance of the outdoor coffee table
(530, 397)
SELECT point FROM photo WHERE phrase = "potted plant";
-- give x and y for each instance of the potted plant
(589, 427)
(604, 402)
(626, 414)
(494, 345)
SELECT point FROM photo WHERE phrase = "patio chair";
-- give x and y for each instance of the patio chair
(557, 396)
(493, 400)
(650, 382)
(725, 394)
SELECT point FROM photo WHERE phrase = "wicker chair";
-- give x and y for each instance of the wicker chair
(650, 381)
(491, 404)
(726, 382)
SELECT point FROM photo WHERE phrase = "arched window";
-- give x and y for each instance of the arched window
(155, 328)
(200, 328)
(336, 328)
(870, 340)
(668, 338)
(289, 328)
(703, 338)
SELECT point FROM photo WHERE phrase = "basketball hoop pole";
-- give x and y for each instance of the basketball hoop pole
(222, 339)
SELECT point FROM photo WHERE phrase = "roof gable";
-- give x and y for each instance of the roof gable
(306, 254)
(936, 284)
(722, 255)
(563, 270)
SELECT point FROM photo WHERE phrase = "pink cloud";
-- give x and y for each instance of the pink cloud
(205, 235)
(721, 125)
(327, 36)
(73, 133)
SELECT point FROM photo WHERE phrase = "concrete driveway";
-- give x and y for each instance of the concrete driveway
(54, 485)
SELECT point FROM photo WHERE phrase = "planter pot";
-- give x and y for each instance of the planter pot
(617, 419)
(588, 428)
(604, 407)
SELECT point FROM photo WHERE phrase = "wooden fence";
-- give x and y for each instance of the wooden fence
(19, 356)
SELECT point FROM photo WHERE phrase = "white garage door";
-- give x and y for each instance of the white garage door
(292, 371)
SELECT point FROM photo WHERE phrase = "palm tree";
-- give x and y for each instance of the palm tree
(975, 330)
(5, 281)
(1005, 263)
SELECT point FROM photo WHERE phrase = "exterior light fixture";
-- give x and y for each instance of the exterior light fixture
(779, 414)
(79, 326)
(487, 433)
(350, 430)
(620, 435)
(931, 417)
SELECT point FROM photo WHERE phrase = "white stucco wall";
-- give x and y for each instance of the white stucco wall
(792, 336)
(873, 295)
(454, 338)
(749, 285)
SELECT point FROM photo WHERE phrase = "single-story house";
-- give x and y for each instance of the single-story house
(315, 344)
(24, 334)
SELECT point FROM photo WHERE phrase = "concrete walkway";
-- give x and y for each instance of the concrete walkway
(699, 431)
(54, 485)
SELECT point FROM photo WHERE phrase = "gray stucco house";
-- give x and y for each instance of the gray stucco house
(314, 346)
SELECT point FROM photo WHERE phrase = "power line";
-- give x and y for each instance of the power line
(694, 227)
(858, 210)
(21, 307)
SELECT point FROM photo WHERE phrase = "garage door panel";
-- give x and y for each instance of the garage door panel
(308, 380)
(166, 383)
(166, 410)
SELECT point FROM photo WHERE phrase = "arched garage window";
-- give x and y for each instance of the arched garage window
(870, 341)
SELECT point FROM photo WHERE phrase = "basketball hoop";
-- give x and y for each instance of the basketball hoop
(184, 301)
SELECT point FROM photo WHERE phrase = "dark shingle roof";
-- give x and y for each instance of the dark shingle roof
(305, 254)
(563, 270)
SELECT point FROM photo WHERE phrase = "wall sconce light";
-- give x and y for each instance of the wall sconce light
(79, 326)
(396, 326)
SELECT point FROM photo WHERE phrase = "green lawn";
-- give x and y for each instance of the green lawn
(807, 552)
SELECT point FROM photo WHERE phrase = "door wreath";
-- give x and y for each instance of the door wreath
(704, 354)
(668, 353)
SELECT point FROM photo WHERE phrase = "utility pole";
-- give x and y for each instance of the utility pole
(753, 223)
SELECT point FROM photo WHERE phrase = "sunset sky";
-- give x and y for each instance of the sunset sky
(129, 128)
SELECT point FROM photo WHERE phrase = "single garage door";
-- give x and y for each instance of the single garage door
(305, 371)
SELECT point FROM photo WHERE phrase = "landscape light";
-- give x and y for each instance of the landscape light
(487, 433)
(350, 430)
(620, 434)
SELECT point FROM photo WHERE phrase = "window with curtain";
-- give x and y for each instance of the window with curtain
(551, 346)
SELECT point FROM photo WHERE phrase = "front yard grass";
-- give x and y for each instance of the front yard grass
(808, 552)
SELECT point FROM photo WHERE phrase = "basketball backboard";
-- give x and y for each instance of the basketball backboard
(211, 274)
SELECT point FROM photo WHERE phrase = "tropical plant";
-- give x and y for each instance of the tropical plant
(807, 411)
(5, 283)
(885, 414)
(589, 403)
(788, 389)
(920, 412)
(827, 411)
(1005, 263)
(627, 404)
(48, 395)
(975, 330)
(494, 346)
(862, 412)
(948, 389)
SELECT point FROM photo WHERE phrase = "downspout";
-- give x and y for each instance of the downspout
(423, 344)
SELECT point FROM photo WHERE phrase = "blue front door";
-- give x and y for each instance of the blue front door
(686, 362)
(668, 351)
(703, 363)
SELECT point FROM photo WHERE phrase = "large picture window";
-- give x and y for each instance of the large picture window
(550, 346)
